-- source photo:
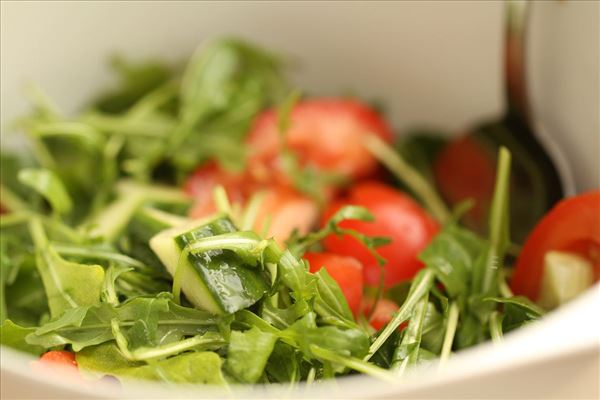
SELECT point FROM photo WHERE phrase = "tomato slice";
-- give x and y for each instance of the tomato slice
(384, 312)
(573, 225)
(397, 217)
(206, 178)
(465, 169)
(324, 133)
(346, 271)
(282, 208)
(285, 210)
(62, 357)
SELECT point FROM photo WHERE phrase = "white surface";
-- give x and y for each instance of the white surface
(433, 63)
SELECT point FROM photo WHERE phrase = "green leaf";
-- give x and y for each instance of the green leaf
(407, 353)
(13, 335)
(248, 353)
(114, 218)
(353, 363)
(284, 363)
(195, 367)
(135, 81)
(145, 322)
(299, 245)
(225, 85)
(330, 303)
(68, 285)
(49, 185)
(352, 342)
(518, 311)
(452, 255)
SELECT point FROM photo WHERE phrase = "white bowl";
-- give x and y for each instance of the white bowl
(433, 63)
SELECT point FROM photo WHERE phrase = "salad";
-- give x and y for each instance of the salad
(213, 224)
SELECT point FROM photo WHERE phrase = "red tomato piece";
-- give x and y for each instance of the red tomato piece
(346, 271)
(384, 312)
(283, 208)
(397, 217)
(464, 169)
(573, 225)
(323, 133)
(62, 357)
(202, 182)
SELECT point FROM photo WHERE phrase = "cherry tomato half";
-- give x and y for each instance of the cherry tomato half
(324, 133)
(573, 225)
(346, 271)
(397, 217)
(384, 312)
(282, 208)
(62, 357)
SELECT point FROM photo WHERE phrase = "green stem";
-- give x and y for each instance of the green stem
(352, 363)
(408, 175)
(450, 332)
(412, 337)
(496, 327)
(498, 227)
(420, 286)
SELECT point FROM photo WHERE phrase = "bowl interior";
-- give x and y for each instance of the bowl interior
(430, 63)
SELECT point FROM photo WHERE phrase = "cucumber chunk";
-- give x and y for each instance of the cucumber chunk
(218, 280)
(565, 276)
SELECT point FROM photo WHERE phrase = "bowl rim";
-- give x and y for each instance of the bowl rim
(526, 346)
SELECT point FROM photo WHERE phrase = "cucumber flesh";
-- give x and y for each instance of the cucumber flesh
(218, 280)
(565, 276)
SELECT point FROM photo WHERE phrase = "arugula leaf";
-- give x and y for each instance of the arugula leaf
(135, 81)
(113, 219)
(299, 245)
(13, 335)
(353, 363)
(48, 185)
(194, 367)
(224, 86)
(407, 353)
(420, 287)
(145, 322)
(281, 318)
(248, 353)
(22, 290)
(330, 303)
(68, 285)
(353, 341)
(518, 311)
(284, 364)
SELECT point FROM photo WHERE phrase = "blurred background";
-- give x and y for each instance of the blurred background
(434, 63)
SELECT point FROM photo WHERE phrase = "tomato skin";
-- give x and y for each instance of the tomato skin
(465, 169)
(201, 183)
(285, 208)
(384, 312)
(324, 133)
(346, 271)
(572, 225)
(397, 217)
(62, 357)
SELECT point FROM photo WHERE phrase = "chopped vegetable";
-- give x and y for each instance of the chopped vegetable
(573, 225)
(109, 264)
(397, 217)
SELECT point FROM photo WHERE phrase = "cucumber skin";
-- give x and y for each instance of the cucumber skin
(216, 280)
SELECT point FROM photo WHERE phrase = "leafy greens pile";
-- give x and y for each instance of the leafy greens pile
(77, 270)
